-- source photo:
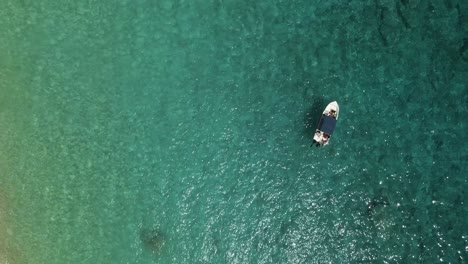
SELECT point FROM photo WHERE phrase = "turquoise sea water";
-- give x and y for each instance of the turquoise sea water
(180, 131)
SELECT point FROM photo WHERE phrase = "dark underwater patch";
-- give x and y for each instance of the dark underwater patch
(153, 240)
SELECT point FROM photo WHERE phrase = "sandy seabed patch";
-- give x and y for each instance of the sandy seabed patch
(8, 250)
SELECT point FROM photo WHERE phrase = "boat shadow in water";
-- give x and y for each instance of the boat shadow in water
(153, 240)
(312, 116)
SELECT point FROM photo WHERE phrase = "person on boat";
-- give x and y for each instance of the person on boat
(325, 139)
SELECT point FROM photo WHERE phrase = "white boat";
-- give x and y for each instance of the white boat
(327, 124)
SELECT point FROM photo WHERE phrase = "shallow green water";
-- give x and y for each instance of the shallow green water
(180, 132)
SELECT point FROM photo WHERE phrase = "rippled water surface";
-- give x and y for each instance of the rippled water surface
(180, 131)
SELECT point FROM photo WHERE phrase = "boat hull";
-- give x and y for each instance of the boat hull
(327, 124)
